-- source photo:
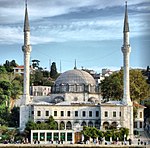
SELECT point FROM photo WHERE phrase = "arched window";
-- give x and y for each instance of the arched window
(58, 99)
(106, 125)
(97, 125)
(83, 123)
(90, 124)
(68, 125)
(114, 125)
(62, 125)
(57, 125)
(38, 122)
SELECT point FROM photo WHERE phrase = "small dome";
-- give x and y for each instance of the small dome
(75, 77)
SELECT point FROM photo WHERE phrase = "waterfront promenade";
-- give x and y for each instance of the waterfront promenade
(70, 145)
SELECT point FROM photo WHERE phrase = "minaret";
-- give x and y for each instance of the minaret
(75, 64)
(26, 48)
(126, 49)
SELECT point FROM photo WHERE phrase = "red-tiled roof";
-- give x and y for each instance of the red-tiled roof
(138, 105)
(19, 67)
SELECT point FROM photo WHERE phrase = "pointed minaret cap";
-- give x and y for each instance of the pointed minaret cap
(126, 24)
(26, 21)
(75, 66)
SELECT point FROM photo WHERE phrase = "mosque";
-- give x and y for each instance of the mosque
(75, 100)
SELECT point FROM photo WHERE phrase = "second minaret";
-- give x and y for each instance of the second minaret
(126, 49)
(27, 50)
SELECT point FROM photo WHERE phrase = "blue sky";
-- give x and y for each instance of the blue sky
(89, 31)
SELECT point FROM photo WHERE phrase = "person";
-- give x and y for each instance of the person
(138, 141)
(35, 142)
(130, 141)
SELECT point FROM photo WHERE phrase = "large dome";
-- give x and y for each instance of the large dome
(75, 77)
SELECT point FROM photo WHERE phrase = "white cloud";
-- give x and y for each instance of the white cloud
(10, 35)
(44, 30)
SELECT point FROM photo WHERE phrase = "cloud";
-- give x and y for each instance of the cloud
(60, 21)
(13, 11)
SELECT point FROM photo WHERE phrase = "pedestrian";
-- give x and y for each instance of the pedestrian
(130, 141)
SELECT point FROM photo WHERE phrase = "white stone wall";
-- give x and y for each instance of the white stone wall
(79, 96)
(110, 119)
(40, 90)
(139, 119)
(65, 118)
(127, 119)
(24, 116)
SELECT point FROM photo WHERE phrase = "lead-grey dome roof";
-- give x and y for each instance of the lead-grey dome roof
(75, 76)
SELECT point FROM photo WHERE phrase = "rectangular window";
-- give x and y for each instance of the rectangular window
(106, 114)
(141, 115)
(62, 113)
(76, 113)
(56, 136)
(38, 113)
(49, 136)
(35, 136)
(120, 114)
(42, 136)
(97, 113)
(83, 113)
(69, 136)
(55, 113)
(141, 125)
(114, 114)
(47, 113)
(68, 113)
(135, 124)
(62, 136)
(32, 112)
(90, 113)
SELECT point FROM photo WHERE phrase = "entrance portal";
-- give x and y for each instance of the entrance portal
(78, 137)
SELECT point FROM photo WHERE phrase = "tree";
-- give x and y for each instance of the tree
(3, 70)
(35, 64)
(31, 125)
(52, 123)
(14, 117)
(91, 132)
(112, 86)
(53, 72)
(10, 65)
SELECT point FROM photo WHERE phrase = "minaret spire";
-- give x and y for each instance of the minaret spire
(26, 48)
(26, 20)
(126, 49)
(75, 64)
(126, 24)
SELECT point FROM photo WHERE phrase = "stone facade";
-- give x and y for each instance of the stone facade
(40, 90)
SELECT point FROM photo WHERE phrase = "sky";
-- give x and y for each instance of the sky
(90, 31)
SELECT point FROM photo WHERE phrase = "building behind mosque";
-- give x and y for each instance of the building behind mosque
(75, 100)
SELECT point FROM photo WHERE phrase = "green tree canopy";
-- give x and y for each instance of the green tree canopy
(53, 72)
(112, 86)
(9, 65)
(35, 63)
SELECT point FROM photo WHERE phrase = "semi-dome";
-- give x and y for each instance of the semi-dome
(75, 76)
